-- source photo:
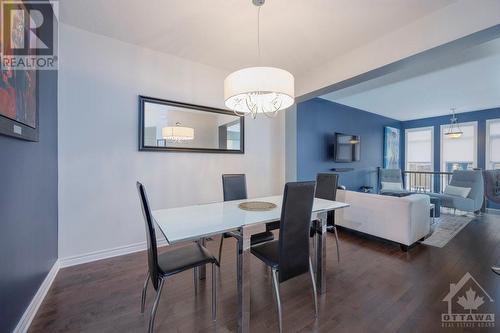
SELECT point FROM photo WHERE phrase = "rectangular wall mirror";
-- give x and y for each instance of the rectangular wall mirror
(173, 126)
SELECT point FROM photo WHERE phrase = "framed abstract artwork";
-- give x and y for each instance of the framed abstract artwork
(19, 90)
(391, 148)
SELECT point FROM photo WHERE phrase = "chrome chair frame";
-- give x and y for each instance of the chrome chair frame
(160, 288)
(157, 273)
(276, 288)
(289, 256)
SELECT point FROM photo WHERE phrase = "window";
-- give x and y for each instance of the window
(233, 136)
(419, 157)
(459, 153)
(493, 144)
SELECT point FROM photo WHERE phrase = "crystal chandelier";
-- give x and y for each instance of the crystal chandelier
(177, 133)
(454, 131)
(260, 89)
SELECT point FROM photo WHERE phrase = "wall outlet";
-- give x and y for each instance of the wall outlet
(18, 129)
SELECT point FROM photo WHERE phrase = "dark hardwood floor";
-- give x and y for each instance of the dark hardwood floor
(375, 288)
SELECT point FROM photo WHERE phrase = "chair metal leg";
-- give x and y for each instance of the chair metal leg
(195, 280)
(313, 280)
(495, 269)
(220, 247)
(155, 306)
(278, 300)
(312, 247)
(336, 242)
(144, 289)
(214, 292)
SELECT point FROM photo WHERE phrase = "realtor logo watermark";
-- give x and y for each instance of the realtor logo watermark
(465, 301)
(28, 35)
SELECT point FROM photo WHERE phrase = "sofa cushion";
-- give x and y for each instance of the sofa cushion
(457, 191)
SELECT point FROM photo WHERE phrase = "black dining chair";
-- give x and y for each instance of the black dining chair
(289, 257)
(161, 266)
(326, 188)
(234, 187)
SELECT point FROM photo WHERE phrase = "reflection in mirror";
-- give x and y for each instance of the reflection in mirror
(176, 126)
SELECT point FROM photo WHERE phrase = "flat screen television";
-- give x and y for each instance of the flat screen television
(346, 148)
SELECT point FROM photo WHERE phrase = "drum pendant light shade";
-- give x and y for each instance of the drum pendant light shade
(177, 133)
(259, 90)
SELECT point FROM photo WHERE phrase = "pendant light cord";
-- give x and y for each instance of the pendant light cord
(258, 34)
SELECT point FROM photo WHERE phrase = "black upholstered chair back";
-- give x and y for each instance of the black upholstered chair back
(294, 229)
(234, 187)
(326, 186)
(150, 236)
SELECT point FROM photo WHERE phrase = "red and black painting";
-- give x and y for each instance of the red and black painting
(18, 88)
(18, 96)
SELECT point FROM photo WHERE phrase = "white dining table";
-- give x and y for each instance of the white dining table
(197, 222)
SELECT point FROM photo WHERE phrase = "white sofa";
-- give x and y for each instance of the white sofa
(404, 220)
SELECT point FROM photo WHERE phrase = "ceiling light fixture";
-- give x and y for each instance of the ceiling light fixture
(177, 133)
(259, 89)
(353, 141)
(454, 131)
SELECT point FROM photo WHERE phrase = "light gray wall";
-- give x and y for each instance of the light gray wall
(100, 79)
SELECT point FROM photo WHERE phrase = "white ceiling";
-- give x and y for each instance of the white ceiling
(295, 35)
(468, 80)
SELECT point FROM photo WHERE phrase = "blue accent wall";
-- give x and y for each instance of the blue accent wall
(317, 122)
(436, 122)
(319, 119)
(28, 209)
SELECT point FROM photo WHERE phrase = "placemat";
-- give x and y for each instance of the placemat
(257, 206)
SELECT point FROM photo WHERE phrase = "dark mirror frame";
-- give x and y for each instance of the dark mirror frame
(142, 147)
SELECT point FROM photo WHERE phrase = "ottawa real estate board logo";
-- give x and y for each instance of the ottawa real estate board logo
(466, 303)
(28, 38)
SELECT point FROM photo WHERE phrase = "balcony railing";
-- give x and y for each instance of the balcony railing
(426, 181)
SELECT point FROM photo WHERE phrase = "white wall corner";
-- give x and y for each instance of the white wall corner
(291, 144)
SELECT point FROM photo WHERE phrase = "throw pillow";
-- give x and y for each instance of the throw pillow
(391, 186)
(457, 191)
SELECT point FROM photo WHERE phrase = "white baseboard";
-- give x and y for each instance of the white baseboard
(493, 211)
(105, 254)
(25, 321)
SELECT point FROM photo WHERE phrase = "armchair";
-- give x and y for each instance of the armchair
(472, 179)
(391, 182)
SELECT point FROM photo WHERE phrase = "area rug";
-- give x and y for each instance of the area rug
(445, 228)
